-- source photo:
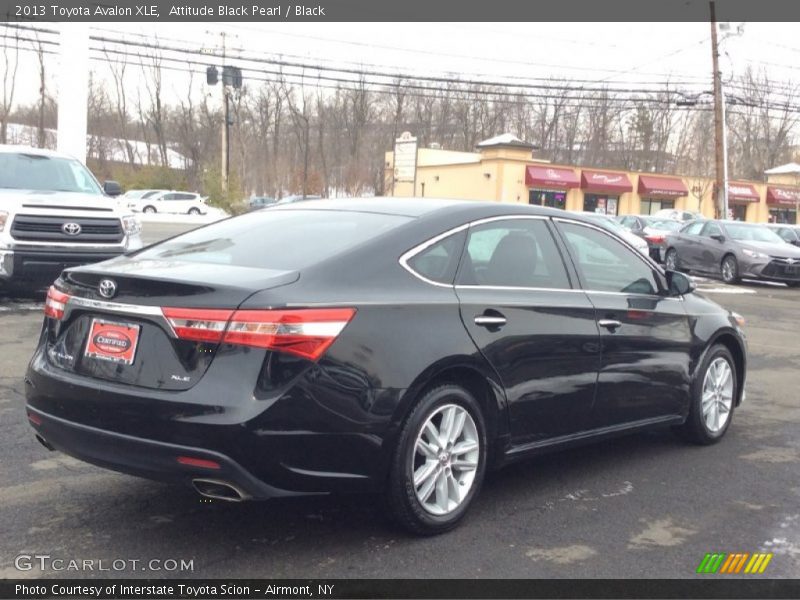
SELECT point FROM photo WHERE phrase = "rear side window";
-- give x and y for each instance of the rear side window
(512, 253)
(439, 261)
(275, 239)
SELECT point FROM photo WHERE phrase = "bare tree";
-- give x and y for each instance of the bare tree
(154, 112)
(10, 65)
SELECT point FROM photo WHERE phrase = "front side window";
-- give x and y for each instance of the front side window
(512, 253)
(712, 229)
(605, 264)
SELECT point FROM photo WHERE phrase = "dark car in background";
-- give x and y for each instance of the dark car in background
(259, 202)
(733, 250)
(653, 230)
(401, 346)
(788, 233)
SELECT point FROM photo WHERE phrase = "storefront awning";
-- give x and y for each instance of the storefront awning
(550, 177)
(604, 181)
(651, 186)
(786, 196)
(742, 192)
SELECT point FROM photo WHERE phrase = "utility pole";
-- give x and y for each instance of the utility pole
(720, 135)
(226, 156)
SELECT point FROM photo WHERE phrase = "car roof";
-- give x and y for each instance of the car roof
(418, 207)
(21, 149)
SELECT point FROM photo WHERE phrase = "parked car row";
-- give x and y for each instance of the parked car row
(166, 201)
(733, 250)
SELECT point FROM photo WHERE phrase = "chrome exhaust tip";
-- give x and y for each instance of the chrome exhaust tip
(45, 443)
(219, 490)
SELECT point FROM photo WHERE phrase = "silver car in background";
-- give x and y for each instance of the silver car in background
(733, 250)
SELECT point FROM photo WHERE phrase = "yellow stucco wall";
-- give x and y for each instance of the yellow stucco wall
(498, 174)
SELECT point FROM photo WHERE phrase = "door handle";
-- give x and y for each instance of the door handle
(490, 321)
(609, 324)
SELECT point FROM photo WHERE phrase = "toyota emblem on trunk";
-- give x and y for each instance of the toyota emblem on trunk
(71, 228)
(107, 288)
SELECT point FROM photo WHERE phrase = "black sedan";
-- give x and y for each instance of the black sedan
(378, 345)
(733, 250)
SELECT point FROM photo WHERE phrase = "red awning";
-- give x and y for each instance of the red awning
(663, 187)
(604, 181)
(550, 177)
(786, 196)
(742, 192)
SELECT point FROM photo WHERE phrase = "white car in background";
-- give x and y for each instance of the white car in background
(170, 202)
(608, 222)
(677, 215)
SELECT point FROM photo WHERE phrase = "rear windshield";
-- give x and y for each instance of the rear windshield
(45, 173)
(275, 239)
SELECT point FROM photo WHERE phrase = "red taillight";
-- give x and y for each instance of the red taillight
(306, 332)
(198, 324)
(655, 239)
(55, 303)
(203, 463)
(34, 418)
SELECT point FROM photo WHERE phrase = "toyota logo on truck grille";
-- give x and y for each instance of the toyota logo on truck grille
(71, 228)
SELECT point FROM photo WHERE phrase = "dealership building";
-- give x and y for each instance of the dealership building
(505, 169)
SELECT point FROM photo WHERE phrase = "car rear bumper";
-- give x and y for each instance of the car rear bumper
(147, 458)
(289, 444)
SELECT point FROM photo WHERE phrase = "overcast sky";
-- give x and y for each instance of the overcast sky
(603, 52)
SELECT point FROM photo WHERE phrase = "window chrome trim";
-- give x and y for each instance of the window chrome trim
(409, 254)
(514, 288)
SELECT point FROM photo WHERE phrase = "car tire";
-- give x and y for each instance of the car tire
(671, 260)
(793, 284)
(729, 269)
(194, 211)
(149, 209)
(712, 402)
(437, 502)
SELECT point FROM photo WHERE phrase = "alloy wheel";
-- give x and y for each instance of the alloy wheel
(717, 401)
(728, 270)
(445, 461)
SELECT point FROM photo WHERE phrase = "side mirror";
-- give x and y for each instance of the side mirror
(679, 284)
(719, 237)
(112, 188)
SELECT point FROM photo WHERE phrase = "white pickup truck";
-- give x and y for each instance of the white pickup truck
(53, 215)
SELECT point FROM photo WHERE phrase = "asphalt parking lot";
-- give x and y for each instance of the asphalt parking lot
(648, 505)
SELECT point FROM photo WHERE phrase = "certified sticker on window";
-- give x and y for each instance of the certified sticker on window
(115, 342)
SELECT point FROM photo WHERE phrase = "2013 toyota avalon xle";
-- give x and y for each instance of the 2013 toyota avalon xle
(401, 346)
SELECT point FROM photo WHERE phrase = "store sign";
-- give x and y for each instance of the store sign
(603, 178)
(742, 192)
(405, 158)
(785, 196)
